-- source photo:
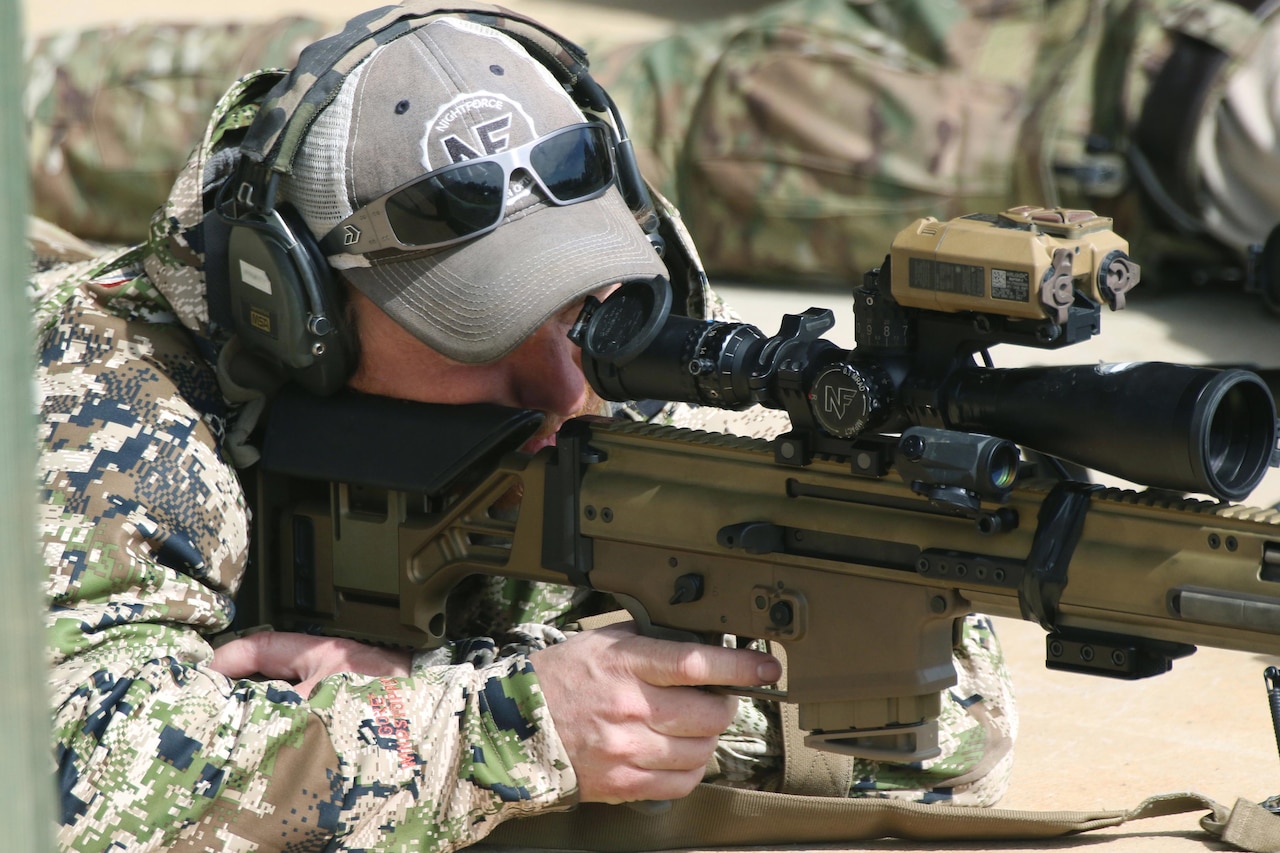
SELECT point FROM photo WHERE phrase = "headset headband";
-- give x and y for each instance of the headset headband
(291, 107)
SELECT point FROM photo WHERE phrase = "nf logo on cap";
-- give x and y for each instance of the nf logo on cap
(475, 125)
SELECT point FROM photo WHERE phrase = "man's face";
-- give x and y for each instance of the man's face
(543, 373)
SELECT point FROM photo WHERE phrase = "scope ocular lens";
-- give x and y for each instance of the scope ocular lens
(1239, 437)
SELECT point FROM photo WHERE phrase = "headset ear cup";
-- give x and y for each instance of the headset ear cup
(286, 302)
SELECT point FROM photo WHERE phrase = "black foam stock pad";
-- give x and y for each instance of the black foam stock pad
(384, 442)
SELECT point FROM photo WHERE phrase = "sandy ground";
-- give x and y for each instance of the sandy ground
(1085, 743)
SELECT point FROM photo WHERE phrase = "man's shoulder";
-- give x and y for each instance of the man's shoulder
(61, 265)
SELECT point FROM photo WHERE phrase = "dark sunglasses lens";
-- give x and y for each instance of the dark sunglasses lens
(449, 205)
(574, 165)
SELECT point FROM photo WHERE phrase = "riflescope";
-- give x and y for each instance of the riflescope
(1169, 426)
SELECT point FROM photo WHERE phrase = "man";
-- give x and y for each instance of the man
(798, 139)
(163, 740)
(146, 532)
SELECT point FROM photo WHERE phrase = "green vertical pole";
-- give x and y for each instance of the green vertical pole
(26, 805)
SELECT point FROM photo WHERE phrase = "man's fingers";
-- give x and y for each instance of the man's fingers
(667, 664)
(691, 714)
(629, 785)
(305, 659)
(247, 656)
(655, 768)
(233, 661)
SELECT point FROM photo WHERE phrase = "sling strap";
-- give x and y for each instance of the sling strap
(715, 816)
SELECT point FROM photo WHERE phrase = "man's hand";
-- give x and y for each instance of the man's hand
(630, 714)
(304, 659)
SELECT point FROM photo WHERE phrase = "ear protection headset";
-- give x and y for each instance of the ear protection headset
(275, 287)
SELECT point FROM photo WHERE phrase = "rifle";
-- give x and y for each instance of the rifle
(900, 500)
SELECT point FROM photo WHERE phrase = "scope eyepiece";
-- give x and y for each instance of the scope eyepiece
(620, 328)
(634, 348)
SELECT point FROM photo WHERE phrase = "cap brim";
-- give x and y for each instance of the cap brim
(478, 301)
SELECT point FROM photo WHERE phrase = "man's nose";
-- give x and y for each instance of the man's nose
(549, 373)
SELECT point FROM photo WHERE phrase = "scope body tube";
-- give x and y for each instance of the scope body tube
(1169, 426)
(711, 364)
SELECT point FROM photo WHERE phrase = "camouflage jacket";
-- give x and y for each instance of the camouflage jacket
(144, 532)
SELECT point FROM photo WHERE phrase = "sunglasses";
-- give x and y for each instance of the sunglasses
(469, 198)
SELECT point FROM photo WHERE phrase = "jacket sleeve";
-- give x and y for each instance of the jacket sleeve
(144, 534)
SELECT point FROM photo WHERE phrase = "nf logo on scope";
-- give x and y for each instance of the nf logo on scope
(838, 399)
(841, 401)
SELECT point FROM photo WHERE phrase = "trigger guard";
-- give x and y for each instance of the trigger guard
(645, 626)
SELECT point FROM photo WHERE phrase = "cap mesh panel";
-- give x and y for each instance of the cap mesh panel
(318, 186)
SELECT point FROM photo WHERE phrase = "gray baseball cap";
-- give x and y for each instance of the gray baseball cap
(449, 91)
